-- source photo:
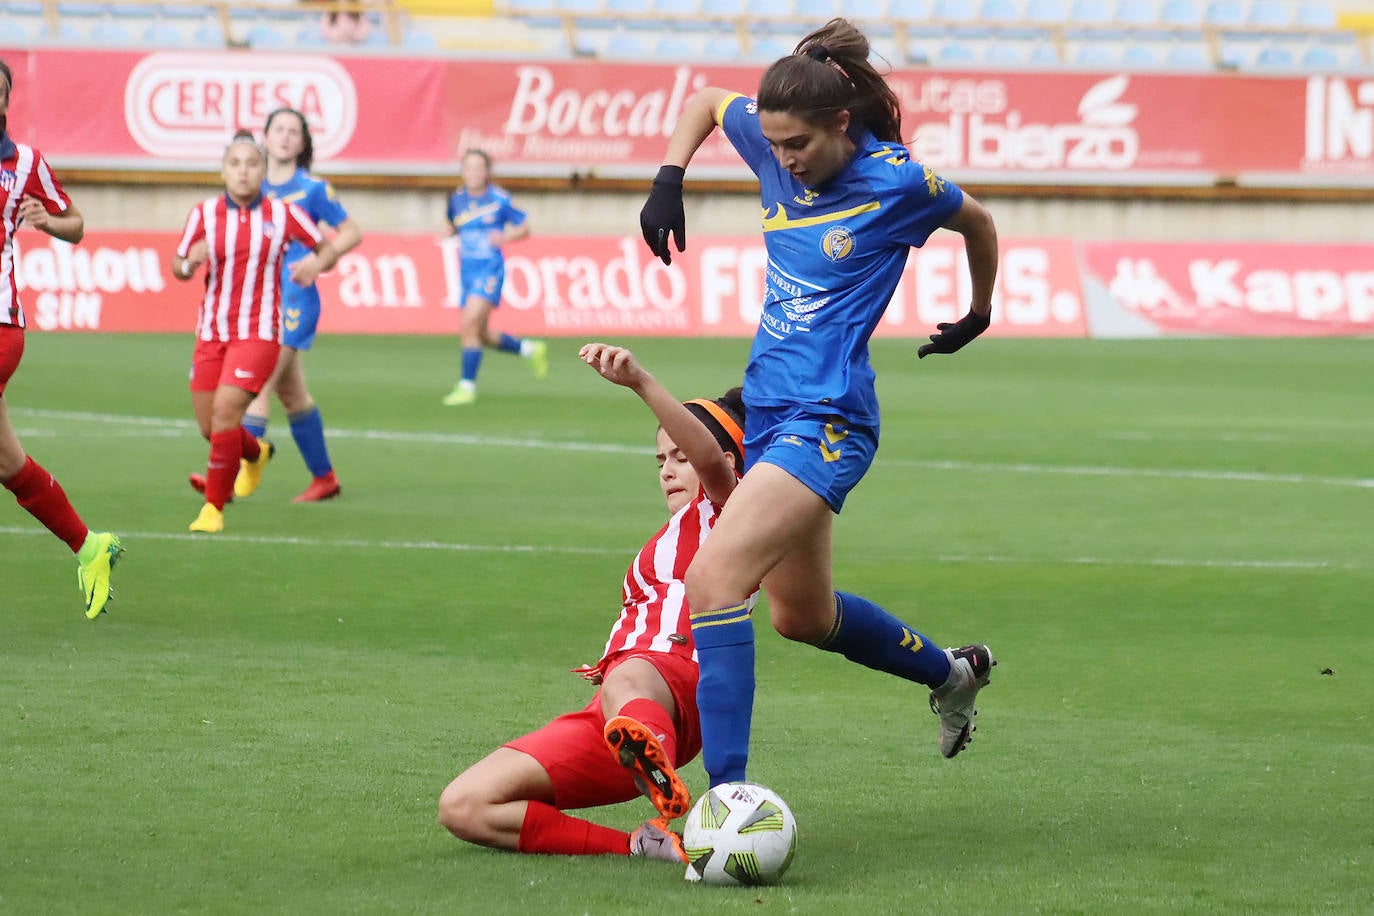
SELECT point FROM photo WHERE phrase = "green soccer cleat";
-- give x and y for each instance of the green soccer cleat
(250, 472)
(539, 358)
(460, 396)
(103, 551)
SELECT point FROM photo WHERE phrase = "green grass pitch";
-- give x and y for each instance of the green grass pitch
(1166, 543)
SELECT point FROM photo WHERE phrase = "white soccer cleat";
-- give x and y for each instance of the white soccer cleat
(655, 840)
(970, 669)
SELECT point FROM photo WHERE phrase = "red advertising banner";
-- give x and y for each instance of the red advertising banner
(391, 115)
(1143, 289)
(567, 286)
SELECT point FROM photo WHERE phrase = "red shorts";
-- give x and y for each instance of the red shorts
(245, 364)
(11, 351)
(572, 748)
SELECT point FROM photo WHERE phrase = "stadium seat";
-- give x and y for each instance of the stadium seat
(1136, 12)
(12, 32)
(264, 36)
(768, 49)
(1269, 14)
(954, 52)
(1047, 12)
(1315, 14)
(80, 10)
(311, 37)
(1275, 57)
(954, 11)
(1095, 54)
(1188, 56)
(184, 11)
(1322, 58)
(419, 40)
(1225, 13)
(722, 47)
(65, 31)
(1090, 12)
(622, 45)
(674, 8)
(24, 8)
(1180, 13)
(209, 35)
(676, 48)
(1006, 54)
(109, 32)
(814, 10)
(999, 11)
(722, 8)
(1139, 56)
(161, 34)
(1046, 54)
(872, 14)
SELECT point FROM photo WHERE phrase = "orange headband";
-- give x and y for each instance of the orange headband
(726, 421)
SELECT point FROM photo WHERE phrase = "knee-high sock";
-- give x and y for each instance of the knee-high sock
(249, 443)
(550, 831)
(43, 497)
(472, 361)
(869, 635)
(307, 428)
(226, 448)
(657, 720)
(725, 690)
(257, 425)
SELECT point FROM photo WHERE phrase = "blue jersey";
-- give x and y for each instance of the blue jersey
(474, 217)
(835, 255)
(316, 197)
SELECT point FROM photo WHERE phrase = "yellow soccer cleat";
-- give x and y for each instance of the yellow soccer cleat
(539, 358)
(250, 472)
(210, 520)
(460, 396)
(101, 552)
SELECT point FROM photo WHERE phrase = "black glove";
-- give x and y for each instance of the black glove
(663, 214)
(953, 335)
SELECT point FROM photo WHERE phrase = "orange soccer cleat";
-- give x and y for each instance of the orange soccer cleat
(326, 487)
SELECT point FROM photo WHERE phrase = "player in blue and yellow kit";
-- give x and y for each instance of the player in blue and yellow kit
(842, 204)
(290, 153)
(485, 220)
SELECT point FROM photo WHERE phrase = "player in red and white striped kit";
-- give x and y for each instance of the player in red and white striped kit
(30, 193)
(242, 237)
(642, 723)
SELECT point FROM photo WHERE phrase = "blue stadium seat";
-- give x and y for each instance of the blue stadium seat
(209, 35)
(111, 32)
(161, 34)
(767, 50)
(722, 47)
(954, 11)
(1316, 14)
(1006, 54)
(1183, 13)
(1090, 12)
(676, 47)
(184, 11)
(1000, 11)
(1189, 56)
(79, 10)
(954, 52)
(419, 40)
(822, 10)
(1269, 14)
(1225, 13)
(1140, 57)
(1136, 12)
(729, 8)
(12, 32)
(1045, 54)
(675, 8)
(1322, 58)
(265, 36)
(1095, 54)
(132, 10)
(24, 8)
(311, 37)
(625, 46)
(870, 13)
(909, 10)
(65, 31)
(1275, 57)
(1047, 12)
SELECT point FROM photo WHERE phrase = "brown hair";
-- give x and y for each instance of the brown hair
(828, 73)
(724, 417)
(9, 85)
(306, 157)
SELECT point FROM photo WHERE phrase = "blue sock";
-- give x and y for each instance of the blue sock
(472, 359)
(509, 344)
(725, 690)
(255, 424)
(869, 635)
(307, 428)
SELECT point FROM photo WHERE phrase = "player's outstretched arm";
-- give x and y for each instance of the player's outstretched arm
(662, 215)
(975, 224)
(618, 365)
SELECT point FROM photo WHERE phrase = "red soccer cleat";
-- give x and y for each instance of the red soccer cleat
(197, 482)
(326, 487)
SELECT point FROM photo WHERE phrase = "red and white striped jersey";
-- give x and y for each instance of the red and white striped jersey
(243, 278)
(654, 614)
(23, 173)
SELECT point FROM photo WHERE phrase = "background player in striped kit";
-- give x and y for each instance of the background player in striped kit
(30, 193)
(290, 153)
(843, 203)
(242, 236)
(645, 709)
(485, 220)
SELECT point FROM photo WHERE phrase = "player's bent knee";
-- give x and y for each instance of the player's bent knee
(463, 814)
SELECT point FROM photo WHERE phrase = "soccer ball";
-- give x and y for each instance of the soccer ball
(739, 833)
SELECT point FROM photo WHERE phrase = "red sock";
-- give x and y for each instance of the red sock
(251, 449)
(550, 831)
(656, 719)
(226, 448)
(41, 494)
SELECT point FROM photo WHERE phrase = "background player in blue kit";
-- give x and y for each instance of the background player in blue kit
(290, 153)
(842, 204)
(485, 220)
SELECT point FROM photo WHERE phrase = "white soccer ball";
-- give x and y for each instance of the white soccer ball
(739, 833)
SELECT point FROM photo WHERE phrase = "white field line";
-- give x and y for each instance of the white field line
(161, 425)
(133, 537)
